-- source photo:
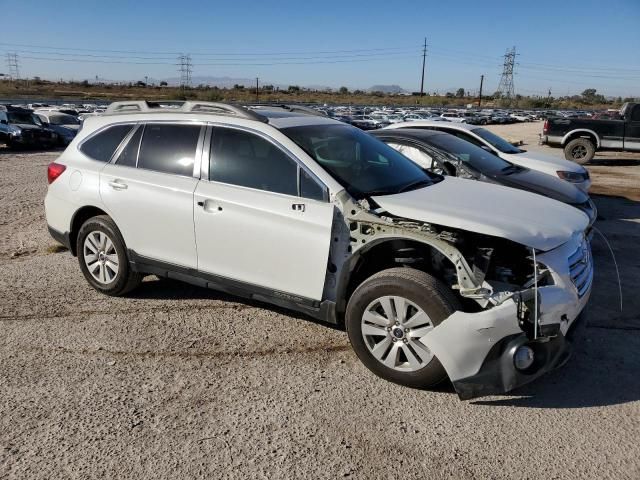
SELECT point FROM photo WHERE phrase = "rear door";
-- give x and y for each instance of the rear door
(632, 130)
(262, 219)
(148, 189)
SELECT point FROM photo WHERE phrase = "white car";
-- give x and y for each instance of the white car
(431, 276)
(557, 167)
(454, 117)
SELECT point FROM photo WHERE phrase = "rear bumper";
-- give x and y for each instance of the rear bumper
(550, 140)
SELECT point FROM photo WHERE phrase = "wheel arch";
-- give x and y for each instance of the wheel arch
(79, 217)
(581, 132)
(378, 255)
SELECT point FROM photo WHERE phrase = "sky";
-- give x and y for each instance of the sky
(562, 45)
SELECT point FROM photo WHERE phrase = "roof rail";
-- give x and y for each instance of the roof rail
(145, 106)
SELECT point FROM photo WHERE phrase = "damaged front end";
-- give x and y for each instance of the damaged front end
(518, 303)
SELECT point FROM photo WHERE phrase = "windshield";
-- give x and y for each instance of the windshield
(498, 142)
(63, 120)
(22, 117)
(363, 165)
(476, 157)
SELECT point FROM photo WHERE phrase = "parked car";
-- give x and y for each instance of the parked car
(582, 137)
(447, 154)
(66, 126)
(431, 276)
(19, 127)
(454, 117)
(366, 122)
(483, 138)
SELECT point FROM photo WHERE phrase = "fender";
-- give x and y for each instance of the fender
(564, 140)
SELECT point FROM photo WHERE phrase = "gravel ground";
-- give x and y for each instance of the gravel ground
(181, 382)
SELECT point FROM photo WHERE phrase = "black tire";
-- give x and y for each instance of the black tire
(579, 150)
(428, 293)
(125, 279)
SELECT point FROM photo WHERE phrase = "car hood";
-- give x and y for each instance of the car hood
(540, 161)
(543, 184)
(504, 212)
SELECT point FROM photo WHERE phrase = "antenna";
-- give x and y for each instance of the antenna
(505, 88)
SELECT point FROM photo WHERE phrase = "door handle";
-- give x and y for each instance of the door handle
(298, 207)
(118, 185)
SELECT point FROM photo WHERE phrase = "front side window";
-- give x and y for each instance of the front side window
(362, 164)
(247, 160)
(101, 146)
(169, 148)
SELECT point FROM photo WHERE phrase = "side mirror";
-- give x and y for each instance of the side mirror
(4, 122)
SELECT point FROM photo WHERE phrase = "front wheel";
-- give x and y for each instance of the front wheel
(579, 150)
(387, 319)
(103, 257)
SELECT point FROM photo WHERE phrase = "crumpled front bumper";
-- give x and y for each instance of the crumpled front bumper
(477, 349)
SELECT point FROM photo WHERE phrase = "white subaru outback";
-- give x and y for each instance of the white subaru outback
(431, 276)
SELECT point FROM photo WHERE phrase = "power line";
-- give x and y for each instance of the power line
(148, 52)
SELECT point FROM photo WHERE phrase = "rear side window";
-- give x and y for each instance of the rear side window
(169, 148)
(244, 159)
(129, 154)
(101, 146)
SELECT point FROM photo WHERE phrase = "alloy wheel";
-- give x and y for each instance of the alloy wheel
(393, 328)
(100, 257)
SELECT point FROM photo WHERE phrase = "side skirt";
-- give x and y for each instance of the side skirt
(323, 311)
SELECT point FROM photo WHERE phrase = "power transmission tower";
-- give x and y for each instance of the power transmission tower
(505, 88)
(184, 62)
(424, 59)
(13, 63)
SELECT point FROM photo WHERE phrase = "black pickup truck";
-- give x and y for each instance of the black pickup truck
(581, 137)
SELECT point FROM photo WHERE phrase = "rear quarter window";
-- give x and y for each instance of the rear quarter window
(101, 146)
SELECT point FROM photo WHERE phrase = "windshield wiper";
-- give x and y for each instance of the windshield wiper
(415, 185)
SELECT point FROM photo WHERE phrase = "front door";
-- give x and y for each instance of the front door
(262, 219)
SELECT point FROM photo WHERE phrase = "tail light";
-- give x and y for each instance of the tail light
(545, 127)
(54, 171)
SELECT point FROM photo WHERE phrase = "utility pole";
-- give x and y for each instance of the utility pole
(480, 93)
(424, 59)
(257, 91)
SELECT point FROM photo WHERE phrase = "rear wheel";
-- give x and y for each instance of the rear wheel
(388, 317)
(103, 257)
(580, 150)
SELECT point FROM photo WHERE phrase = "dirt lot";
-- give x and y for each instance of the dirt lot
(180, 382)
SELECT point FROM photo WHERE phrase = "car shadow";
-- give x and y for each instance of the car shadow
(605, 365)
(613, 162)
